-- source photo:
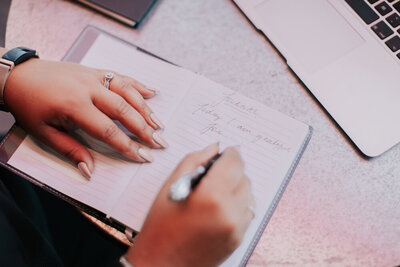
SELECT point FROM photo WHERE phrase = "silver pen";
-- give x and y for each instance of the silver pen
(185, 184)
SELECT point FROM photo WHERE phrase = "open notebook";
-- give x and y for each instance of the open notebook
(197, 112)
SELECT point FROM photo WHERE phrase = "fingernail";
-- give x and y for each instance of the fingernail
(159, 140)
(238, 148)
(155, 92)
(156, 120)
(214, 146)
(83, 167)
(145, 154)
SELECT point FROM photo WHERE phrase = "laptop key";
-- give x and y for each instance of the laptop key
(382, 30)
(397, 6)
(367, 14)
(383, 8)
(398, 55)
(394, 43)
(394, 20)
(372, 1)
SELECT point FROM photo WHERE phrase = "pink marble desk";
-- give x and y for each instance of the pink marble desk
(340, 209)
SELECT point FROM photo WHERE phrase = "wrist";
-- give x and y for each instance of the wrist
(139, 254)
(144, 254)
(8, 61)
(134, 258)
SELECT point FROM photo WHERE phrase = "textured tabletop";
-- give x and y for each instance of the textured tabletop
(340, 209)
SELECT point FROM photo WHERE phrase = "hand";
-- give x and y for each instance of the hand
(49, 98)
(205, 228)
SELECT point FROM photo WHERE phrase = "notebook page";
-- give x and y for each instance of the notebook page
(111, 174)
(268, 140)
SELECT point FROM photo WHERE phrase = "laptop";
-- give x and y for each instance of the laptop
(347, 53)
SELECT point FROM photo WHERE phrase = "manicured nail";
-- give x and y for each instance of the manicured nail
(156, 120)
(214, 146)
(145, 154)
(159, 140)
(82, 166)
(155, 92)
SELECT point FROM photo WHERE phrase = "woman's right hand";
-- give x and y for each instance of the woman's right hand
(205, 228)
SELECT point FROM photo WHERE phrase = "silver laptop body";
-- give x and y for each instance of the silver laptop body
(343, 59)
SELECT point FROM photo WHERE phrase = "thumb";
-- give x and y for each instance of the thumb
(67, 146)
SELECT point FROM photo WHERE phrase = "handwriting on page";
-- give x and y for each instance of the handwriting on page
(220, 122)
(207, 114)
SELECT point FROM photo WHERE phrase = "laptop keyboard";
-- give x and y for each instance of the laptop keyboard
(383, 17)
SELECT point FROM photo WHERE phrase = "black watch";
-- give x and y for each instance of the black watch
(8, 61)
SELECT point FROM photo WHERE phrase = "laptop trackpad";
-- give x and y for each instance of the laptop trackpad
(311, 32)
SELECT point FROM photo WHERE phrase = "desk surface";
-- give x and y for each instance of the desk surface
(339, 209)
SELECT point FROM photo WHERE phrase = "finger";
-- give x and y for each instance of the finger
(244, 205)
(145, 91)
(230, 168)
(124, 88)
(117, 108)
(243, 224)
(67, 146)
(243, 194)
(194, 160)
(101, 127)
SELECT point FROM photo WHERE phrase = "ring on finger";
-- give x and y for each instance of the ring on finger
(107, 79)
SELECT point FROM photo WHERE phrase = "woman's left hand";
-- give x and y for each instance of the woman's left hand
(48, 98)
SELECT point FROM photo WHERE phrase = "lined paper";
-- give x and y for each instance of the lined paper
(197, 112)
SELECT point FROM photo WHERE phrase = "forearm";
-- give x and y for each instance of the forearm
(3, 50)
